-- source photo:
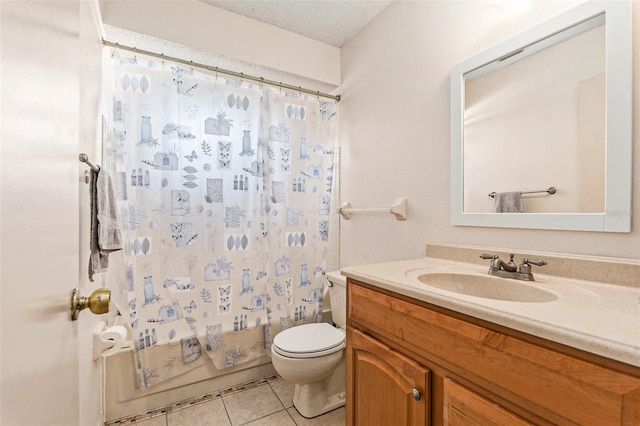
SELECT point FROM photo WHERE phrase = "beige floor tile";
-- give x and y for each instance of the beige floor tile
(284, 391)
(281, 418)
(332, 418)
(251, 404)
(154, 421)
(210, 413)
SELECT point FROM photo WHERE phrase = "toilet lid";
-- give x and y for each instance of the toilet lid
(309, 340)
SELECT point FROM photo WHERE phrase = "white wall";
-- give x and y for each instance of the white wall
(395, 130)
(209, 29)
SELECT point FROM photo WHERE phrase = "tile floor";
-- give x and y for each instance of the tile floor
(268, 403)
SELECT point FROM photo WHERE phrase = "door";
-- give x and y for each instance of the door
(383, 386)
(43, 116)
(463, 407)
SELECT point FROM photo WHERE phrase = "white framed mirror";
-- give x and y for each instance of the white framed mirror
(543, 123)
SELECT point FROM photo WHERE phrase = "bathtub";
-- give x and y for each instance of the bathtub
(124, 399)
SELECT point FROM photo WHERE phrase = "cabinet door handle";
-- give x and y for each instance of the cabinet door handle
(416, 394)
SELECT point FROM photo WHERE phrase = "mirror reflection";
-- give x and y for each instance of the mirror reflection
(532, 113)
(535, 119)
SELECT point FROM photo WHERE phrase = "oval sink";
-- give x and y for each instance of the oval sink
(488, 287)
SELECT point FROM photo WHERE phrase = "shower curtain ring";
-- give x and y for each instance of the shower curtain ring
(115, 49)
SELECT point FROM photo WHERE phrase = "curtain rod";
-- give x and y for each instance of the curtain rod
(221, 70)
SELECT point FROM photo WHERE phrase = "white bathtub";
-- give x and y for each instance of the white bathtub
(123, 399)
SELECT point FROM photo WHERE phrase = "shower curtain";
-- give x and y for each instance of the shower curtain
(223, 188)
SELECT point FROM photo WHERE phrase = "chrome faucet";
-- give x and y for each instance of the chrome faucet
(500, 268)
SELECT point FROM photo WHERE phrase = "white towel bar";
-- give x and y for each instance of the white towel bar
(398, 209)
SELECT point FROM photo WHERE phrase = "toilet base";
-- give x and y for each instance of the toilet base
(311, 403)
(316, 398)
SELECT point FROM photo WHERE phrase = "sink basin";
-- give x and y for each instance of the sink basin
(488, 287)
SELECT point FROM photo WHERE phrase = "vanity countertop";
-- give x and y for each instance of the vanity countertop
(597, 317)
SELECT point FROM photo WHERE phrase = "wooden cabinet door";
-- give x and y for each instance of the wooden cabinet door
(463, 407)
(382, 385)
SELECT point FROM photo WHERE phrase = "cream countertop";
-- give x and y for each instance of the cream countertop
(596, 317)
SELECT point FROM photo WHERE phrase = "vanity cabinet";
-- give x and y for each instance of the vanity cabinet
(471, 372)
(387, 388)
(462, 407)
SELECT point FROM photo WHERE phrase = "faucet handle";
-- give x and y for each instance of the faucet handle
(537, 262)
(525, 266)
(488, 256)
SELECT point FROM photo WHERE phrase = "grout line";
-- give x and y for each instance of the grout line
(286, 409)
(267, 415)
(226, 410)
(190, 402)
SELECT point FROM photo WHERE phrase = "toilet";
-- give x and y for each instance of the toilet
(311, 356)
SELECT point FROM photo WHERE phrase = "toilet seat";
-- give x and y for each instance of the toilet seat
(309, 341)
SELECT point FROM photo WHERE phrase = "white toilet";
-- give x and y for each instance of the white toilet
(311, 356)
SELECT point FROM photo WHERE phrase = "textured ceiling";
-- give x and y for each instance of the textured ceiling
(328, 21)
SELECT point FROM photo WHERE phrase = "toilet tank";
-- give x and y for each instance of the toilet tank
(338, 295)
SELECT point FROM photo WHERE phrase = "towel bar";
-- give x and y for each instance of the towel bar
(84, 158)
(398, 209)
(551, 190)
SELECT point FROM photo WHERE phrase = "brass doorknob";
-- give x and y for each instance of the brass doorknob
(98, 302)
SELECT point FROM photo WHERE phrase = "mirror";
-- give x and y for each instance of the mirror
(544, 121)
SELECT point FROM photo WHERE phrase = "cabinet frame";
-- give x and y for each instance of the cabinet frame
(529, 376)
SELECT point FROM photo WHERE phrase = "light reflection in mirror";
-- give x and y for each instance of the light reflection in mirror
(537, 120)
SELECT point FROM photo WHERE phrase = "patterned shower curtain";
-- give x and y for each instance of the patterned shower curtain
(223, 188)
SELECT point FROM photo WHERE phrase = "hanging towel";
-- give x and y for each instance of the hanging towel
(105, 232)
(508, 202)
